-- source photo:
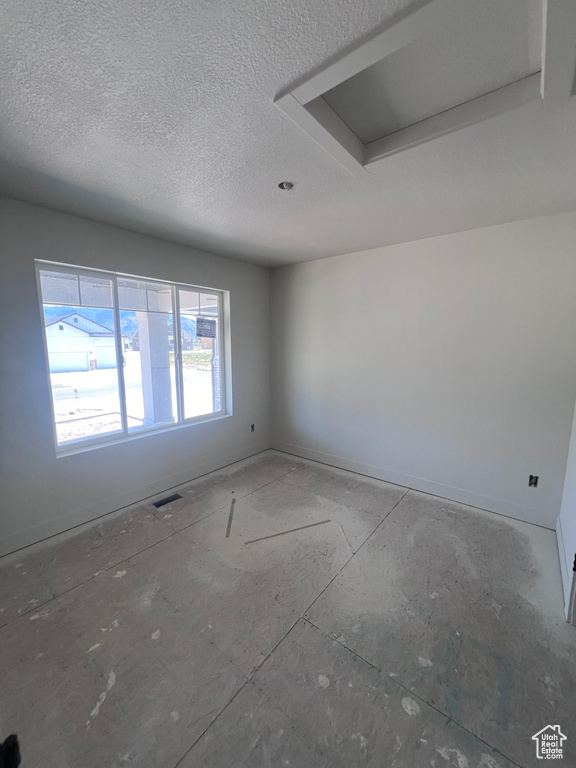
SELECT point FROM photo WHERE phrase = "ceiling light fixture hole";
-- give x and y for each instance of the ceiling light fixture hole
(286, 185)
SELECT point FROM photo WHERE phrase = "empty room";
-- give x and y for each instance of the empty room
(287, 384)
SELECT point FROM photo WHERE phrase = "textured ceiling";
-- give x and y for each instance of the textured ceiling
(159, 117)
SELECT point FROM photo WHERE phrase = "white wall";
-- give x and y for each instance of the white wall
(41, 494)
(566, 526)
(447, 365)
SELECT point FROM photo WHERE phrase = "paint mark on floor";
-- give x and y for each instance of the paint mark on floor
(550, 684)
(101, 700)
(93, 648)
(39, 615)
(156, 635)
(323, 681)
(410, 706)
(360, 740)
(487, 761)
(461, 760)
(102, 697)
(119, 574)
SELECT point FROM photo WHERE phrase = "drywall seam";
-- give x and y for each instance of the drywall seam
(500, 507)
(37, 533)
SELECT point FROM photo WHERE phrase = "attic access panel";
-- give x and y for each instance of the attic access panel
(446, 65)
(497, 43)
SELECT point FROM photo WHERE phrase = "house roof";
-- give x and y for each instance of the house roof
(90, 327)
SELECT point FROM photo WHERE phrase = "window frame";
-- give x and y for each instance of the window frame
(111, 438)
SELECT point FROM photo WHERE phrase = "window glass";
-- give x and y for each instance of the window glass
(95, 291)
(83, 371)
(200, 334)
(59, 287)
(131, 294)
(208, 304)
(149, 369)
(189, 301)
(159, 297)
(151, 361)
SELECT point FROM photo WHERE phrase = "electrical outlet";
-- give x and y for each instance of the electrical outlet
(532, 481)
(252, 427)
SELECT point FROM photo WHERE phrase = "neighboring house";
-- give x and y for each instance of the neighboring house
(78, 344)
(187, 339)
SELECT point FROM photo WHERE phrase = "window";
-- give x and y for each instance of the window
(130, 354)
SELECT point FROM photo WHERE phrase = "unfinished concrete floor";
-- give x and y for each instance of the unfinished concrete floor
(408, 631)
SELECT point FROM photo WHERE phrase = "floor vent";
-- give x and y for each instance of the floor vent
(167, 500)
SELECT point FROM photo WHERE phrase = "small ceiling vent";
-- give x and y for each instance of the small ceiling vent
(447, 65)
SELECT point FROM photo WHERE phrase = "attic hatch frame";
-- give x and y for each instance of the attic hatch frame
(304, 103)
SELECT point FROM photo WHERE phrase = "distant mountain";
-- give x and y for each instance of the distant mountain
(129, 323)
(188, 324)
(106, 318)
